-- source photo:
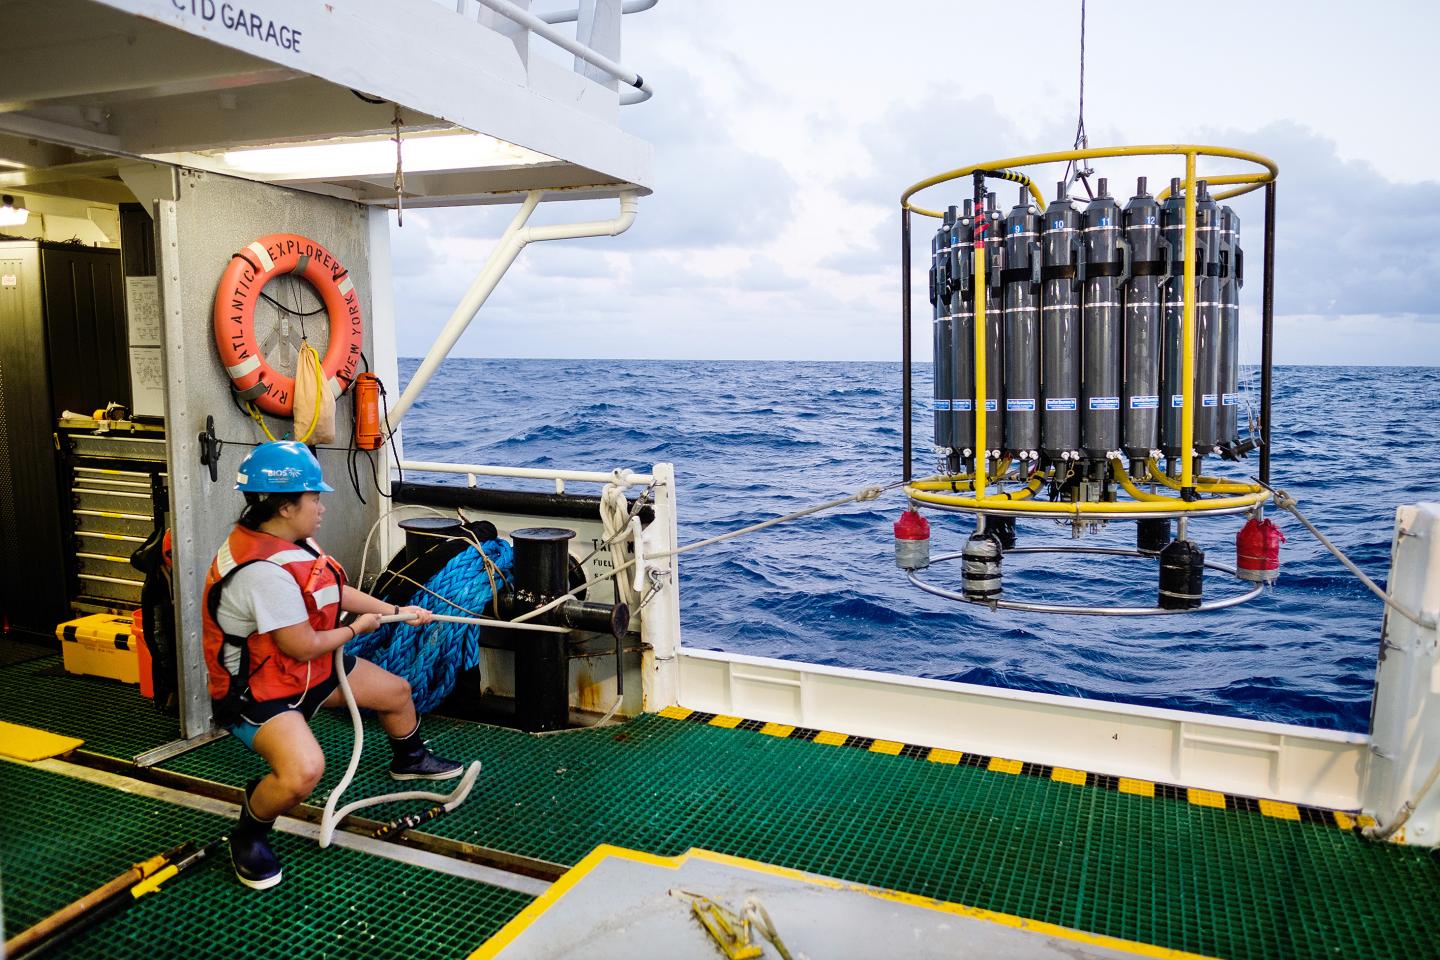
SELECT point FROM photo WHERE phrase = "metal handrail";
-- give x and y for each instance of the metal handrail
(570, 16)
(472, 470)
(534, 24)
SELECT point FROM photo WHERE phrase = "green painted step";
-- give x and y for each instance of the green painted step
(1163, 871)
(64, 837)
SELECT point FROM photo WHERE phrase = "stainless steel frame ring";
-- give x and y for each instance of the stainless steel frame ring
(1076, 609)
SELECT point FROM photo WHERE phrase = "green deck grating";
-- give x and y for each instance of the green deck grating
(63, 837)
(1220, 882)
(111, 717)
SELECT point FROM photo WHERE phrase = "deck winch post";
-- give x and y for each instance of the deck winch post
(515, 238)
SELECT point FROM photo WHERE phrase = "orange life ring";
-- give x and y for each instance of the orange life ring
(249, 270)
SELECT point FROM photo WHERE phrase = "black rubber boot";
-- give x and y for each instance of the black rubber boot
(414, 761)
(255, 863)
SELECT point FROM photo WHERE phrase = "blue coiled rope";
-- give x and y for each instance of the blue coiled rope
(432, 656)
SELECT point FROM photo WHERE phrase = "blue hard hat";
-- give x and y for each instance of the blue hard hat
(284, 466)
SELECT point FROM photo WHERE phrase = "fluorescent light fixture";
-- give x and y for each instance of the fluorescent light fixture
(359, 158)
(12, 212)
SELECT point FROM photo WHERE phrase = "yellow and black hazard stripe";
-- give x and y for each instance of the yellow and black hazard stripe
(1277, 809)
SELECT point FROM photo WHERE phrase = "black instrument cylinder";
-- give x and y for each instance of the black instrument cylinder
(542, 670)
(941, 285)
(1152, 536)
(1140, 396)
(1182, 575)
(980, 574)
(1062, 253)
(962, 336)
(994, 330)
(1022, 329)
(1232, 260)
(1106, 270)
(1208, 357)
(1172, 324)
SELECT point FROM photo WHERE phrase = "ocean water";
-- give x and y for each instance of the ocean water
(752, 440)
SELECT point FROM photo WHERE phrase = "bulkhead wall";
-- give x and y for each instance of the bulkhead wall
(212, 219)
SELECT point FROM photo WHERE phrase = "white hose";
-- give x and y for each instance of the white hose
(332, 817)
(1378, 832)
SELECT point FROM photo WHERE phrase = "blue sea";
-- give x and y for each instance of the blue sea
(752, 440)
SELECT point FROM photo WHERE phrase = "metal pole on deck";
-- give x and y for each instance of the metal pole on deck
(905, 338)
(1267, 332)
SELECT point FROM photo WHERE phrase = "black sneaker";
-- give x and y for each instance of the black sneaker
(424, 765)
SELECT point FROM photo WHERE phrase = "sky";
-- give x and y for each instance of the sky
(784, 134)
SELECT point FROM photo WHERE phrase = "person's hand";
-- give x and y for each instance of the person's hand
(365, 623)
(418, 616)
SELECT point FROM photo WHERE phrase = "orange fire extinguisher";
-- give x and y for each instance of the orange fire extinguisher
(367, 412)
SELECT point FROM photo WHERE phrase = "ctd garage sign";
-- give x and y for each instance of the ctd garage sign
(235, 17)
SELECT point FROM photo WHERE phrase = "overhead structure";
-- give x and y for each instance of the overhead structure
(1086, 364)
(314, 96)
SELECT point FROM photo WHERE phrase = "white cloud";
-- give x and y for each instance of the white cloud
(784, 134)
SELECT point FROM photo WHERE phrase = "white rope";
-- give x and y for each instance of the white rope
(615, 517)
(863, 494)
(332, 817)
(1425, 621)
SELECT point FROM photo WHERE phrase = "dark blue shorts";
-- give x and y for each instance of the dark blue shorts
(254, 714)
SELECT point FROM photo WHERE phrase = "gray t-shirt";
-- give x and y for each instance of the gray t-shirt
(260, 598)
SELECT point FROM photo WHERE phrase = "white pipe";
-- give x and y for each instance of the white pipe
(512, 241)
(570, 16)
(529, 473)
(533, 23)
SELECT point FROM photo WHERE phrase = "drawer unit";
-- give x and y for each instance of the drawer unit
(112, 513)
(109, 446)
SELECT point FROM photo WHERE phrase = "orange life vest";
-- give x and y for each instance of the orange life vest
(256, 662)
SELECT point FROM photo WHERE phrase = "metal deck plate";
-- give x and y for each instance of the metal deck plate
(619, 904)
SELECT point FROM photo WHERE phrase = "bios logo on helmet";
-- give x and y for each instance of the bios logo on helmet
(235, 17)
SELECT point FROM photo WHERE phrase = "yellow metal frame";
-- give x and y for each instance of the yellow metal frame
(1247, 494)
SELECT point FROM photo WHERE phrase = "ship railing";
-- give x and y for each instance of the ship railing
(654, 545)
(597, 37)
(620, 476)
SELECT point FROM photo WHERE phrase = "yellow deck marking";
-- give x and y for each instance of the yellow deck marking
(830, 739)
(729, 723)
(1281, 811)
(1366, 820)
(1066, 775)
(892, 747)
(1141, 788)
(512, 930)
(1005, 766)
(1206, 798)
(777, 729)
(30, 744)
(944, 756)
(1343, 820)
(676, 713)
